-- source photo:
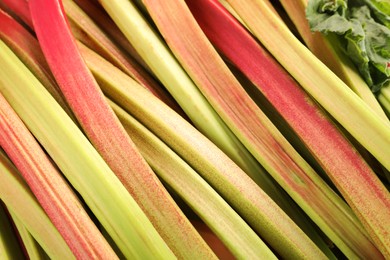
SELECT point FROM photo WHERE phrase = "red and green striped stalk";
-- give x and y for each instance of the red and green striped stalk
(107, 134)
(78, 160)
(339, 159)
(92, 36)
(103, 20)
(27, 49)
(325, 49)
(233, 231)
(318, 80)
(263, 215)
(51, 190)
(329, 91)
(257, 133)
(22, 204)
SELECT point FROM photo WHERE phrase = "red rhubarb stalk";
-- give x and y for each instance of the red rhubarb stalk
(257, 133)
(94, 37)
(51, 190)
(356, 181)
(107, 134)
(27, 48)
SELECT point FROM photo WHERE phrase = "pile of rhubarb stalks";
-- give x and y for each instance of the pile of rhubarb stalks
(190, 129)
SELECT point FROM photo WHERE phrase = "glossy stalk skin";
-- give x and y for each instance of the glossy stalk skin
(51, 190)
(332, 94)
(332, 150)
(83, 167)
(236, 234)
(22, 204)
(263, 215)
(255, 130)
(107, 134)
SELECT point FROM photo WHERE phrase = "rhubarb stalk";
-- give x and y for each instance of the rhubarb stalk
(83, 167)
(332, 150)
(51, 190)
(23, 204)
(236, 234)
(264, 216)
(317, 79)
(107, 134)
(256, 132)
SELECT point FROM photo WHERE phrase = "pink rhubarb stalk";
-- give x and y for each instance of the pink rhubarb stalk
(356, 181)
(104, 21)
(27, 48)
(229, 180)
(107, 134)
(51, 190)
(20, 9)
(94, 37)
(254, 129)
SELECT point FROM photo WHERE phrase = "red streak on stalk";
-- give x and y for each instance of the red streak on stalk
(106, 48)
(248, 122)
(51, 190)
(27, 48)
(106, 132)
(353, 177)
(20, 8)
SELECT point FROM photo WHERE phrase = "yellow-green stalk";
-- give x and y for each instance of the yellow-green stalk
(24, 206)
(329, 91)
(83, 167)
(236, 234)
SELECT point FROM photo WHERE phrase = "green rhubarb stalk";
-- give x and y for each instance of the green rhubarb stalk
(336, 155)
(26, 47)
(83, 167)
(170, 73)
(255, 130)
(23, 204)
(384, 98)
(107, 134)
(253, 205)
(9, 243)
(329, 91)
(53, 193)
(103, 20)
(329, 52)
(92, 36)
(33, 249)
(239, 238)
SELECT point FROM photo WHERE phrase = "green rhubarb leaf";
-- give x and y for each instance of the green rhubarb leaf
(365, 40)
